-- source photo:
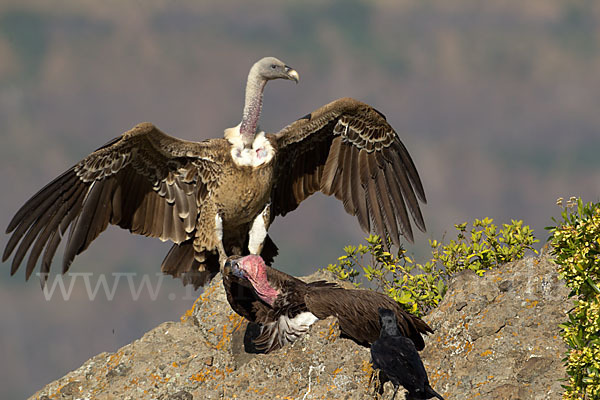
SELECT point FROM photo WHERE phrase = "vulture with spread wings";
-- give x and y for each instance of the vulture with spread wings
(219, 196)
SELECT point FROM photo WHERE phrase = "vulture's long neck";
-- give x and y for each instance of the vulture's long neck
(252, 105)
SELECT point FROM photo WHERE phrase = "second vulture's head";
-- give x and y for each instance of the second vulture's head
(253, 269)
(270, 68)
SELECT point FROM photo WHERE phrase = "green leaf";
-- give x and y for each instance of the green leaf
(592, 285)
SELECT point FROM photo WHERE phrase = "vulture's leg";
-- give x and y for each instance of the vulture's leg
(222, 255)
(220, 247)
(258, 231)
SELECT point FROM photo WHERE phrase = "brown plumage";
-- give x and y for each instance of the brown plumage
(274, 300)
(219, 196)
(347, 149)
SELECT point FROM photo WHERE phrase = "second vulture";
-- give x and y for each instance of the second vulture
(219, 196)
(285, 307)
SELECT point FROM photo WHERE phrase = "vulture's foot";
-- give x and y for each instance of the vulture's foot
(222, 256)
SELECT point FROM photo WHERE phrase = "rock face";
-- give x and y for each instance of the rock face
(496, 338)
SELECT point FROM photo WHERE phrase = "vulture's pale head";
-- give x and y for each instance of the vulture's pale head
(254, 269)
(270, 68)
(389, 324)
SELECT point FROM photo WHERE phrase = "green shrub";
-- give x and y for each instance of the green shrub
(575, 244)
(420, 287)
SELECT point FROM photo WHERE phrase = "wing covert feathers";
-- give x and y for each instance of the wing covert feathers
(355, 156)
(357, 313)
(144, 181)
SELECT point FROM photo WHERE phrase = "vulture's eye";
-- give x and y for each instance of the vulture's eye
(273, 66)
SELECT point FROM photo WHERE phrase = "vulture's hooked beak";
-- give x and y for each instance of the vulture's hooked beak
(234, 265)
(292, 74)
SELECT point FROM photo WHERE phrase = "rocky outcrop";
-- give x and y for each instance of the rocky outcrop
(496, 338)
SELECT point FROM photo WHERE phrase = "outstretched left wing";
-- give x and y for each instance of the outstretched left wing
(347, 149)
(144, 180)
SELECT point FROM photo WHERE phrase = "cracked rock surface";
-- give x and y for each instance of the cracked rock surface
(496, 338)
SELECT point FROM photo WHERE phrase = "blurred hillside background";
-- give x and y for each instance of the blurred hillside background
(498, 103)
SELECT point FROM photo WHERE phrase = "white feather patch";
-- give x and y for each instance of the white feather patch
(219, 227)
(303, 320)
(261, 152)
(234, 136)
(291, 329)
(258, 232)
(287, 330)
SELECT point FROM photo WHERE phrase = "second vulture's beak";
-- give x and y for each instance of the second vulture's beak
(235, 269)
(292, 74)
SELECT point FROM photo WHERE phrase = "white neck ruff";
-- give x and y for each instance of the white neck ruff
(261, 152)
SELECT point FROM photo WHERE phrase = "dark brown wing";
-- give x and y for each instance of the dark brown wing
(144, 181)
(357, 312)
(347, 149)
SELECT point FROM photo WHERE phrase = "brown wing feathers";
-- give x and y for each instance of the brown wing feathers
(366, 167)
(40, 218)
(299, 169)
(89, 223)
(126, 182)
(357, 313)
(408, 181)
(331, 166)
